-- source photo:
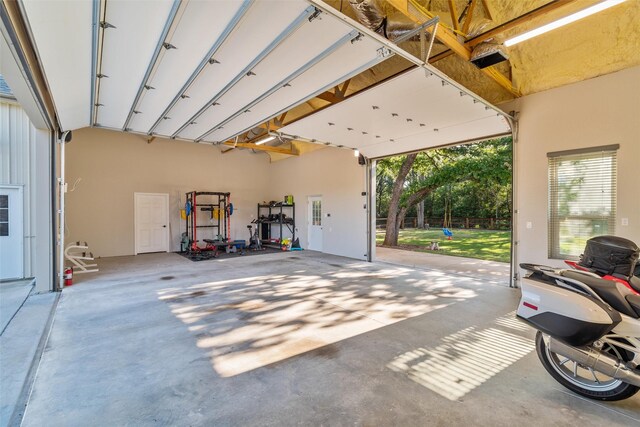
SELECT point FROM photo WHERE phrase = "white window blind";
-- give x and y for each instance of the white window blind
(582, 198)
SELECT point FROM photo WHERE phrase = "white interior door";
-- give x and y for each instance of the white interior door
(315, 223)
(11, 233)
(151, 222)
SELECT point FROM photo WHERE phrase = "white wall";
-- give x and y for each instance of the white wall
(335, 175)
(25, 162)
(600, 111)
(113, 166)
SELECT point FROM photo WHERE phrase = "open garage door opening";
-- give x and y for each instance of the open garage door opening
(433, 207)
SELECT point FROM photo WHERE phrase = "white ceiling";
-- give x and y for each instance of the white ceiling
(196, 70)
(210, 70)
(416, 110)
(62, 34)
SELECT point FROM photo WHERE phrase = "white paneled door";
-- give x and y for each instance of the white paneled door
(151, 222)
(11, 233)
(315, 223)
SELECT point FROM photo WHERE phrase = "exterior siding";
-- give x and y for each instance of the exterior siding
(17, 148)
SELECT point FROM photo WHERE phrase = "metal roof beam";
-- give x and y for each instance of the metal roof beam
(291, 28)
(328, 51)
(171, 22)
(206, 60)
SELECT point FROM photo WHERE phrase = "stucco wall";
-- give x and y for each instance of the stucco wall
(113, 166)
(335, 175)
(600, 111)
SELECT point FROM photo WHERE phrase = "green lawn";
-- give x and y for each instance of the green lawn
(481, 244)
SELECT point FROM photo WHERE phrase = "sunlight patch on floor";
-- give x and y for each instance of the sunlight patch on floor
(465, 359)
(249, 323)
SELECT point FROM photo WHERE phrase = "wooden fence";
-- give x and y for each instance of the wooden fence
(480, 223)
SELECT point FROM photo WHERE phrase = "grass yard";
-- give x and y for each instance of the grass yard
(481, 244)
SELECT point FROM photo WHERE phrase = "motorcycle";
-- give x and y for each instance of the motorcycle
(588, 320)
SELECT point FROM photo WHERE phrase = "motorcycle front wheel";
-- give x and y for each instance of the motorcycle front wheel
(583, 380)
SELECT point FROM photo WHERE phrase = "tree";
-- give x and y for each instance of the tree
(420, 213)
(393, 219)
(481, 166)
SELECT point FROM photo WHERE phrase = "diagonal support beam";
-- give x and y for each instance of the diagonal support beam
(520, 20)
(417, 13)
(454, 15)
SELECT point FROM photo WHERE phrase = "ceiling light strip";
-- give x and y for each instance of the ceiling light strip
(333, 84)
(264, 139)
(214, 49)
(154, 60)
(328, 51)
(563, 21)
(291, 28)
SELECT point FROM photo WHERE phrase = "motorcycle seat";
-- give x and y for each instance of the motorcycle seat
(608, 290)
(634, 301)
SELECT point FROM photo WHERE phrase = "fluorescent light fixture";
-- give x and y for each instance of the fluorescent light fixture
(265, 139)
(563, 21)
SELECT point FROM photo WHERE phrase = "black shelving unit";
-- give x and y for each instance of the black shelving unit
(280, 215)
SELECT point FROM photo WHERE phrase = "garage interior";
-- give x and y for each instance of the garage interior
(260, 100)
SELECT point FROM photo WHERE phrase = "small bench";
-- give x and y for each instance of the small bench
(230, 247)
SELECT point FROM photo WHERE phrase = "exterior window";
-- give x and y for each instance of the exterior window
(4, 215)
(316, 213)
(582, 198)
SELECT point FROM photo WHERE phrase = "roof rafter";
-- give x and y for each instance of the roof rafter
(454, 15)
(523, 19)
(332, 97)
(417, 13)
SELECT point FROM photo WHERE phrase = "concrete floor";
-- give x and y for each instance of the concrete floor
(296, 339)
(488, 271)
(20, 345)
(13, 294)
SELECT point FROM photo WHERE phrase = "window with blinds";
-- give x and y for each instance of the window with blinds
(582, 198)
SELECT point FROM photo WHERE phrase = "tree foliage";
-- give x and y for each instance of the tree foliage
(467, 181)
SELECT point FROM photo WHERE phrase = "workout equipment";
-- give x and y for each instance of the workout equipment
(277, 221)
(184, 242)
(78, 255)
(254, 239)
(229, 247)
(295, 245)
(207, 201)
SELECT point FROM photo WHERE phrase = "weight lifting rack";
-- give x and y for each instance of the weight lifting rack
(221, 202)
